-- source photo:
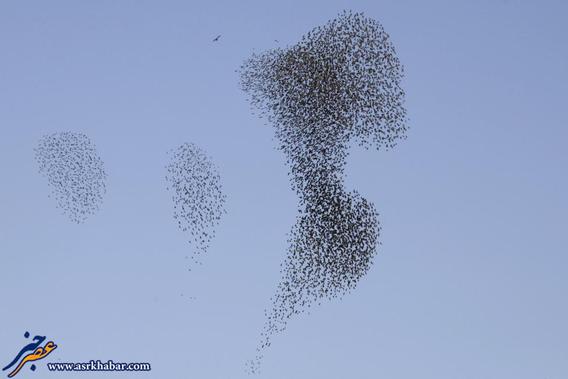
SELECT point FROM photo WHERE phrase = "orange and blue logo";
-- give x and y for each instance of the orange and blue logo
(37, 352)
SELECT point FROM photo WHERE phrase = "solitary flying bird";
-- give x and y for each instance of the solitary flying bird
(217, 38)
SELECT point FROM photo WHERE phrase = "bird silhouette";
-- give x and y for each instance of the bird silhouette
(216, 38)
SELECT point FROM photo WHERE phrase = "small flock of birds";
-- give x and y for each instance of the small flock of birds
(197, 195)
(340, 83)
(74, 171)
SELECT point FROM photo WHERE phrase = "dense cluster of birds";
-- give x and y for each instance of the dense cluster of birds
(74, 171)
(340, 83)
(197, 194)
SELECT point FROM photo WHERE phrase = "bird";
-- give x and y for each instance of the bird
(217, 38)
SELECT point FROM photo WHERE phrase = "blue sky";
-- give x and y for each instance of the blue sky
(470, 280)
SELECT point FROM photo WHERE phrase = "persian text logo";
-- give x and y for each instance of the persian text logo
(37, 352)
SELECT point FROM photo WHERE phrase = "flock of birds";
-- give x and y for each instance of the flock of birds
(74, 171)
(340, 84)
(197, 195)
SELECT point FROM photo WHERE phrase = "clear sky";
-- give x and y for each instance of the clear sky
(471, 277)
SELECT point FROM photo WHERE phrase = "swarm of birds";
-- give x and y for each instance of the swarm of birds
(340, 83)
(74, 171)
(197, 194)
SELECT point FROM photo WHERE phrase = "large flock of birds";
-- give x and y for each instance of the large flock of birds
(340, 83)
(74, 171)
